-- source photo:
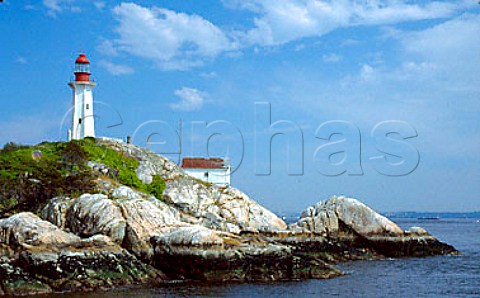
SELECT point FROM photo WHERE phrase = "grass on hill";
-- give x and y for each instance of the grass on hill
(32, 175)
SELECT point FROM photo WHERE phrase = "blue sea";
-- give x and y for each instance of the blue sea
(443, 276)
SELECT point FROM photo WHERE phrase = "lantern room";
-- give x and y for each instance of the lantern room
(82, 69)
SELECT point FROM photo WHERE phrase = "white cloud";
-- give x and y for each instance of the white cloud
(180, 41)
(433, 84)
(52, 4)
(107, 48)
(443, 57)
(209, 75)
(21, 60)
(190, 99)
(453, 47)
(279, 22)
(368, 73)
(331, 58)
(172, 40)
(349, 42)
(299, 47)
(55, 7)
(99, 5)
(116, 69)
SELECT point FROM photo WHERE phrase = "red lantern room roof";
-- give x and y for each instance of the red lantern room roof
(82, 69)
(203, 163)
(82, 59)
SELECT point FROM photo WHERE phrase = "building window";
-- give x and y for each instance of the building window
(87, 106)
(80, 121)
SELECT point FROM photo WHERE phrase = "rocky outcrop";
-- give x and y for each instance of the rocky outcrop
(86, 216)
(220, 208)
(26, 230)
(43, 258)
(417, 231)
(126, 216)
(144, 220)
(208, 259)
(238, 207)
(96, 214)
(150, 163)
(341, 215)
(56, 211)
(351, 224)
(191, 236)
(86, 269)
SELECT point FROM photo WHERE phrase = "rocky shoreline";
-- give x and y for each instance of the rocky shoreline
(196, 231)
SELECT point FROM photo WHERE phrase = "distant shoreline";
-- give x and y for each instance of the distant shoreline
(294, 216)
(440, 215)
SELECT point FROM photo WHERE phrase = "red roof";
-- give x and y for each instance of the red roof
(82, 59)
(203, 163)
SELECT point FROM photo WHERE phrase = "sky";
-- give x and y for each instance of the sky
(373, 99)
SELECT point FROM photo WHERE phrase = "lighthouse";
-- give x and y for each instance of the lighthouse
(83, 124)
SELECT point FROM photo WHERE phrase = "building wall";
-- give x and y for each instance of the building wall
(215, 176)
(82, 109)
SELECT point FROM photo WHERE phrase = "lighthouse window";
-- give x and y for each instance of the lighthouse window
(80, 121)
(82, 67)
(87, 106)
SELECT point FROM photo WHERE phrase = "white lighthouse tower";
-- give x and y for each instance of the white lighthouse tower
(83, 124)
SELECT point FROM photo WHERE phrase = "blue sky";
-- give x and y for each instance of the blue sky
(210, 62)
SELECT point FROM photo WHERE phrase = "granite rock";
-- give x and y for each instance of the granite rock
(342, 215)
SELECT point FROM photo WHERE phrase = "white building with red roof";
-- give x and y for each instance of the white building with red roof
(211, 170)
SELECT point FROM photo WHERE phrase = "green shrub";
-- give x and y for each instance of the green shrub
(28, 181)
(157, 187)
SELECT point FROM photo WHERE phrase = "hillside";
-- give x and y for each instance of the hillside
(31, 175)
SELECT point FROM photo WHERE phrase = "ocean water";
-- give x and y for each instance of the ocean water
(443, 276)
